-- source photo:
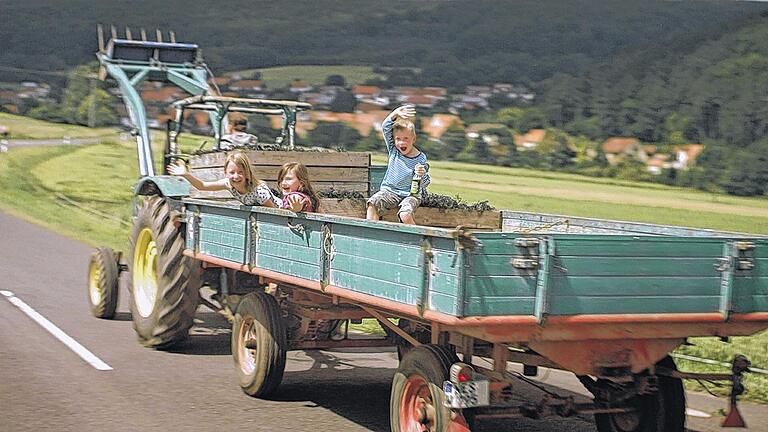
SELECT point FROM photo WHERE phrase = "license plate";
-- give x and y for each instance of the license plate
(466, 395)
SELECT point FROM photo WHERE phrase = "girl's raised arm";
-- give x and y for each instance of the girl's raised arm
(181, 170)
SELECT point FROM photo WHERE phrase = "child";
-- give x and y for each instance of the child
(405, 160)
(239, 181)
(298, 194)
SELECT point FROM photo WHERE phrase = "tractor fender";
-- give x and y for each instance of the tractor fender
(164, 185)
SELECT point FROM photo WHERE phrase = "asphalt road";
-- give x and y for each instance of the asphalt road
(44, 385)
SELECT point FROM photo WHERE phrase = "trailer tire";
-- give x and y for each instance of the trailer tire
(417, 398)
(663, 411)
(103, 274)
(165, 284)
(258, 319)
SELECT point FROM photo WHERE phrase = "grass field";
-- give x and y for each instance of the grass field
(278, 77)
(27, 128)
(40, 184)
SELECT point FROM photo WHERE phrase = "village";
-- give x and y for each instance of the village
(371, 104)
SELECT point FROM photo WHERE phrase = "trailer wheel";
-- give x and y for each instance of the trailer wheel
(417, 399)
(103, 273)
(663, 411)
(164, 283)
(259, 344)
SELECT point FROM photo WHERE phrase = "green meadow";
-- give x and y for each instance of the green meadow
(279, 77)
(85, 192)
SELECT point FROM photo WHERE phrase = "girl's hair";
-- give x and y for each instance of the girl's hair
(302, 175)
(241, 160)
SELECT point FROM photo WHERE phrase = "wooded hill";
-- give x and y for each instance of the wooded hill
(453, 43)
(713, 92)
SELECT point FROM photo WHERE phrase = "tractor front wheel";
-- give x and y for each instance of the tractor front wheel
(103, 274)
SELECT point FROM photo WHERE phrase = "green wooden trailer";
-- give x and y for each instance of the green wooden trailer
(605, 300)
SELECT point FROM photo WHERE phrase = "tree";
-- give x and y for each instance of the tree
(371, 143)
(335, 80)
(562, 155)
(748, 174)
(343, 102)
(84, 101)
(333, 135)
(455, 140)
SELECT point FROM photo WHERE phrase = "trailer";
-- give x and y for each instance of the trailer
(460, 296)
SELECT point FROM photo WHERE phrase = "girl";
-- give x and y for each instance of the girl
(298, 194)
(239, 181)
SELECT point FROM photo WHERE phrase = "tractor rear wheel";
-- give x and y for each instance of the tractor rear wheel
(103, 274)
(165, 284)
(259, 344)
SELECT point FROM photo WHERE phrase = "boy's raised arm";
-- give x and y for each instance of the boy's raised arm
(403, 112)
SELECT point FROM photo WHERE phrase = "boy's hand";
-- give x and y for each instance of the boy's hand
(177, 169)
(404, 112)
(420, 170)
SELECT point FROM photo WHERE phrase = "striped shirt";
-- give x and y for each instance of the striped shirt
(400, 168)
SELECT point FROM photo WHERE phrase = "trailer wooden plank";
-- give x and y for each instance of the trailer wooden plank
(387, 270)
(316, 174)
(443, 303)
(501, 286)
(633, 286)
(288, 266)
(590, 245)
(278, 158)
(300, 253)
(495, 306)
(629, 266)
(444, 283)
(367, 285)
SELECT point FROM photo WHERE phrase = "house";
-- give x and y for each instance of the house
(162, 95)
(365, 92)
(222, 81)
(480, 91)
(299, 86)
(686, 155)
(530, 140)
(419, 101)
(473, 131)
(617, 149)
(436, 125)
(246, 85)
(657, 163)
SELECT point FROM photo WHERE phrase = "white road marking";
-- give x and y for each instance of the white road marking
(57, 333)
(696, 413)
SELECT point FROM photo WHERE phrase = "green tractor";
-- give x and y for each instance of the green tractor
(163, 283)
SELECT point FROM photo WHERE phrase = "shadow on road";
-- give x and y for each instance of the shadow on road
(357, 393)
(210, 335)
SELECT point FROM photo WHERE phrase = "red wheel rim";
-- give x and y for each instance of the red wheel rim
(417, 414)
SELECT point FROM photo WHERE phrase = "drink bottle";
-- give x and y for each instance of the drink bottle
(415, 185)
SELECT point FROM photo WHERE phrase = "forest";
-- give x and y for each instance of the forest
(665, 72)
(452, 43)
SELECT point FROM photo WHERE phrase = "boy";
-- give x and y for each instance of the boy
(404, 161)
